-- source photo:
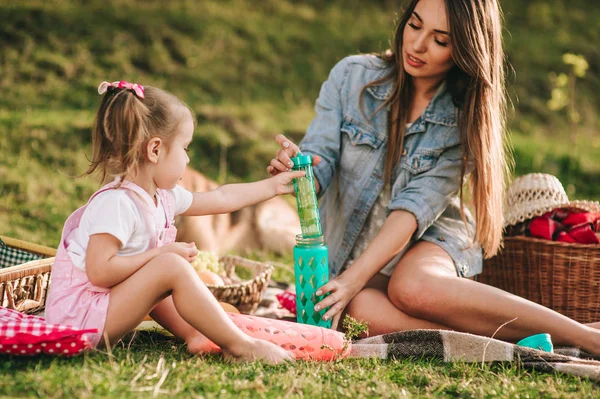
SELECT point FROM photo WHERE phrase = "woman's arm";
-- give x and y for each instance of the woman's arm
(414, 209)
(323, 137)
(394, 235)
(428, 194)
(391, 239)
(232, 197)
(283, 160)
(104, 268)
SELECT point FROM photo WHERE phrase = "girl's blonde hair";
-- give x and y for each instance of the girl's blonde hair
(476, 83)
(125, 123)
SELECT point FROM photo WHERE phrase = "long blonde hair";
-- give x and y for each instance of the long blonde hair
(125, 123)
(476, 84)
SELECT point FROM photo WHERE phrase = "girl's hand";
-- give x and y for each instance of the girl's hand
(282, 181)
(341, 290)
(282, 161)
(187, 250)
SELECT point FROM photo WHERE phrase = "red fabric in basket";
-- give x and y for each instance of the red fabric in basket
(22, 334)
(565, 226)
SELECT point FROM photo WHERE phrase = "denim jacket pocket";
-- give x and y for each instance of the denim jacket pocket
(359, 143)
(421, 160)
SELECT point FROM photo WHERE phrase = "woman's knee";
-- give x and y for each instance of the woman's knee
(417, 286)
(417, 295)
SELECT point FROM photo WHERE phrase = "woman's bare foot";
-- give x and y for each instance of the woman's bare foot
(591, 342)
(595, 325)
(258, 349)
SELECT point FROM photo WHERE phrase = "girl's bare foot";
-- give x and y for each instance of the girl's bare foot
(199, 344)
(258, 349)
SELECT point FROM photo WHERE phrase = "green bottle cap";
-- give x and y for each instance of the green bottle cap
(302, 160)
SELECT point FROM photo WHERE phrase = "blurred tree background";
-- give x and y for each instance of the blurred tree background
(250, 70)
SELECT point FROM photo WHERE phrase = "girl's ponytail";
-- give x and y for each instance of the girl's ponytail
(128, 116)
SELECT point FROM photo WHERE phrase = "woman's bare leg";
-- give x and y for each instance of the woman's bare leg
(170, 274)
(373, 306)
(422, 287)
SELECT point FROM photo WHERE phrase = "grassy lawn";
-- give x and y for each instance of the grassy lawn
(152, 365)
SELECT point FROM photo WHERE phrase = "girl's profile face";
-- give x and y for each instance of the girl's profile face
(173, 161)
(427, 46)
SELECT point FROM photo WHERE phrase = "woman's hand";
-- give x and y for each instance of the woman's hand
(282, 161)
(341, 291)
(187, 250)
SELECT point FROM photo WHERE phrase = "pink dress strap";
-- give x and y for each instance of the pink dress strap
(168, 203)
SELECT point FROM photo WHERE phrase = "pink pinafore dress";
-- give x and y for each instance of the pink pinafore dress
(72, 299)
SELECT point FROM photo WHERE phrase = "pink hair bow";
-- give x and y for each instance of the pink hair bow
(137, 89)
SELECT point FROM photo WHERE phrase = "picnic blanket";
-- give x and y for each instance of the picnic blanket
(452, 346)
(449, 346)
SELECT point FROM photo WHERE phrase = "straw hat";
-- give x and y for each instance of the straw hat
(534, 194)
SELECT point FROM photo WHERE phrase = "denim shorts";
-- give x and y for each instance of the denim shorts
(449, 232)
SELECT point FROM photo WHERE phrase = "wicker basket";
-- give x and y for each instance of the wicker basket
(246, 295)
(24, 287)
(564, 277)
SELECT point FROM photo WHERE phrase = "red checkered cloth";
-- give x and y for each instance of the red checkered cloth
(22, 334)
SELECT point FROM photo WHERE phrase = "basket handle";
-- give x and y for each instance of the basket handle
(229, 268)
(25, 304)
(10, 297)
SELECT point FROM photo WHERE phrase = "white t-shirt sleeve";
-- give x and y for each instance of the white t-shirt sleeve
(183, 199)
(112, 212)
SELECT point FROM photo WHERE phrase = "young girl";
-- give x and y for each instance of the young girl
(394, 137)
(117, 260)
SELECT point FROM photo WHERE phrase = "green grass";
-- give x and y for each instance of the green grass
(151, 364)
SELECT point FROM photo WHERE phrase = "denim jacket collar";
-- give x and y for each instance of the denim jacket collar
(440, 109)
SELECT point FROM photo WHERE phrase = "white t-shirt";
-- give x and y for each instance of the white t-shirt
(114, 212)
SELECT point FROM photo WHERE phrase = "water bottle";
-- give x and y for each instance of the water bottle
(311, 260)
(306, 197)
(311, 271)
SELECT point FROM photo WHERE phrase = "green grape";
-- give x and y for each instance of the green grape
(207, 261)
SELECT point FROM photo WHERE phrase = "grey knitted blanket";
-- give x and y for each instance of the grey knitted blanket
(451, 346)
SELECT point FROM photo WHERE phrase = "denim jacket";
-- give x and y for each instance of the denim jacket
(352, 145)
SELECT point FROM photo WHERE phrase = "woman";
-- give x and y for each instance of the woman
(402, 131)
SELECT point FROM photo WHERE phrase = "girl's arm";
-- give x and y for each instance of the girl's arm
(104, 268)
(232, 197)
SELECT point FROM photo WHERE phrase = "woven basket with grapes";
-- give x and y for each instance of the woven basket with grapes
(221, 278)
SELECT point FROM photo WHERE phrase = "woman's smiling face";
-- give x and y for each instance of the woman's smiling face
(427, 48)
